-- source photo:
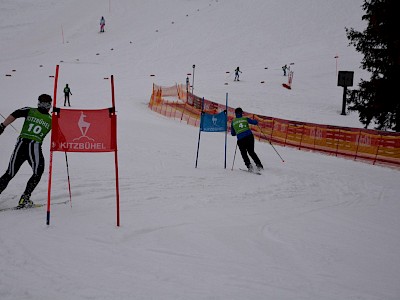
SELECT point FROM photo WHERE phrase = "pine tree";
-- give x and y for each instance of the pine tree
(378, 99)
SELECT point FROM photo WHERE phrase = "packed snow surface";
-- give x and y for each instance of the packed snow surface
(314, 227)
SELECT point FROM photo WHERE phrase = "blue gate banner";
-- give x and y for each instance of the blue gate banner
(213, 122)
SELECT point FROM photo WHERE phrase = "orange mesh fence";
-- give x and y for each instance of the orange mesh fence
(377, 147)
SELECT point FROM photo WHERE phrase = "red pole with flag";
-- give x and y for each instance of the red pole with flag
(51, 152)
(70, 133)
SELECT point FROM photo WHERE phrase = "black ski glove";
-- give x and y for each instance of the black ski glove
(2, 127)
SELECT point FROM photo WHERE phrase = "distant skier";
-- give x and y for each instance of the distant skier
(245, 139)
(67, 92)
(237, 71)
(285, 68)
(29, 146)
(102, 24)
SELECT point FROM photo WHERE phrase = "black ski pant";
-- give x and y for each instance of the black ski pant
(246, 146)
(66, 100)
(25, 150)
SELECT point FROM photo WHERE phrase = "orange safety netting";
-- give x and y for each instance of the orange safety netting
(377, 147)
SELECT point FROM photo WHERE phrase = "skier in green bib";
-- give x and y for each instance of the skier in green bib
(245, 139)
(29, 146)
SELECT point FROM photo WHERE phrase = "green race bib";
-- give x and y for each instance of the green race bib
(240, 125)
(36, 126)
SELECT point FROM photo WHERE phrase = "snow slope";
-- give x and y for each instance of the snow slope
(314, 227)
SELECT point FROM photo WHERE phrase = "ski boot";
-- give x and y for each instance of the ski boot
(25, 202)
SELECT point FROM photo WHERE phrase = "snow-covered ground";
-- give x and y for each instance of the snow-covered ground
(315, 227)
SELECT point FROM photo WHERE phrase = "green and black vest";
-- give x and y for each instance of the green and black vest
(36, 126)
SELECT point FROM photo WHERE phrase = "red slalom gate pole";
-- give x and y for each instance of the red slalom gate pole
(51, 152)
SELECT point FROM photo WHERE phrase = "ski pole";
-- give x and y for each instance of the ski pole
(10, 124)
(276, 151)
(234, 157)
(270, 143)
(69, 184)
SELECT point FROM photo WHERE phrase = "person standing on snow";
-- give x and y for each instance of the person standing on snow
(67, 92)
(29, 146)
(245, 139)
(285, 68)
(237, 71)
(102, 24)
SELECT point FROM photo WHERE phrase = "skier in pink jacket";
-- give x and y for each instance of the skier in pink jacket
(102, 24)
